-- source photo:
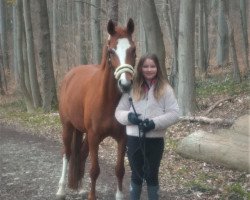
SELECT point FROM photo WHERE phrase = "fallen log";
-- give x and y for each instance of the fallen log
(222, 147)
(227, 147)
(207, 120)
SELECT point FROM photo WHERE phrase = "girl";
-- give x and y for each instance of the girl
(151, 108)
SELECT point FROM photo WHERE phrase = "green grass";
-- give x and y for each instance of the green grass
(15, 111)
(234, 191)
(200, 183)
(237, 191)
(211, 87)
(170, 143)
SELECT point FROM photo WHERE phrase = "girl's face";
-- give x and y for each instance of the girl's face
(149, 70)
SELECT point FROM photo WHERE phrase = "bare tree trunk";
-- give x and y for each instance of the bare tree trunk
(154, 36)
(112, 6)
(132, 11)
(2, 92)
(36, 96)
(54, 33)
(201, 54)
(174, 44)
(81, 32)
(96, 31)
(143, 45)
(3, 47)
(25, 63)
(243, 15)
(46, 63)
(15, 64)
(3, 34)
(235, 65)
(21, 78)
(205, 36)
(222, 39)
(186, 91)
(87, 36)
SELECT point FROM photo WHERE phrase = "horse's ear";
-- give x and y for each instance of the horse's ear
(111, 27)
(130, 26)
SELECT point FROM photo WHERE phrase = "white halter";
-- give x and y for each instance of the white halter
(123, 68)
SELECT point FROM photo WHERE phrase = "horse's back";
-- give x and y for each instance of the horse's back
(73, 88)
(81, 71)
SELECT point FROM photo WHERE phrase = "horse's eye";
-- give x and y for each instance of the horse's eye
(112, 51)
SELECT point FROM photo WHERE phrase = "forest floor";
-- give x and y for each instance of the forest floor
(180, 178)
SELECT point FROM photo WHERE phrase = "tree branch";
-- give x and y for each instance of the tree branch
(215, 104)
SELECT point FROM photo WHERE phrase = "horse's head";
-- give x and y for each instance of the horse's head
(122, 53)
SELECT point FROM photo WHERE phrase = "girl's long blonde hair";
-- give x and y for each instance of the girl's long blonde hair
(161, 81)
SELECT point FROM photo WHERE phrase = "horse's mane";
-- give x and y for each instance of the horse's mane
(104, 55)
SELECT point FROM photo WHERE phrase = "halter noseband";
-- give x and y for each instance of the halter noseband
(123, 68)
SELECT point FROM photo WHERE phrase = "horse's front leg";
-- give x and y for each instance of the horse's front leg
(84, 154)
(61, 191)
(120, 169)
(67, 138)
(95, 168)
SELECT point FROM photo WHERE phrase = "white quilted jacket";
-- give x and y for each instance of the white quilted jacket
(164, 112)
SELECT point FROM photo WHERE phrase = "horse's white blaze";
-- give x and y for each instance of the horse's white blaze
(122, 46)
(119, 195)
(62, 182)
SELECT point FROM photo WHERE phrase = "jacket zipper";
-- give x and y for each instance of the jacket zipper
(146, 106)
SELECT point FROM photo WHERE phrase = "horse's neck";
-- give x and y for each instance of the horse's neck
(109, 90)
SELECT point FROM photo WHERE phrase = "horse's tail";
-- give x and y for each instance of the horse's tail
(75, 162)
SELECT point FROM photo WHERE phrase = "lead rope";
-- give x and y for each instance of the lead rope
(142, 145)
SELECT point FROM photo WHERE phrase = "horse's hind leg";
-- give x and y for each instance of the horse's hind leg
(67, 137)
(120, 169)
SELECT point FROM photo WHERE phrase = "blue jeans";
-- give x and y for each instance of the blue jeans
(144, 157)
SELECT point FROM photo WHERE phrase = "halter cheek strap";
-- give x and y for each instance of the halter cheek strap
(123, 68)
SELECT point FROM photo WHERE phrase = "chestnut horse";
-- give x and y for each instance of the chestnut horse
(88, 99)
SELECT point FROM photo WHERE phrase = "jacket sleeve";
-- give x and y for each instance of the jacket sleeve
(122, 110)
(172, 113)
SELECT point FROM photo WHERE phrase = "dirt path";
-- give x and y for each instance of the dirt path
(30, 168)
(31, 165)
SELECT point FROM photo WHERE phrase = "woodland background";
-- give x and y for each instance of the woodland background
(203, 45)
(41, 40)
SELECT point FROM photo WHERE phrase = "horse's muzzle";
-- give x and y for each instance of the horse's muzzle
(124, 86)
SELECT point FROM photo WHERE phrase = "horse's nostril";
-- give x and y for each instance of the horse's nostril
(124, 85)
(126, 88)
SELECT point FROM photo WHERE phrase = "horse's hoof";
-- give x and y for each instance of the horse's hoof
(83, 193)
(91, 197)
(119, 196)
(60, 197)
